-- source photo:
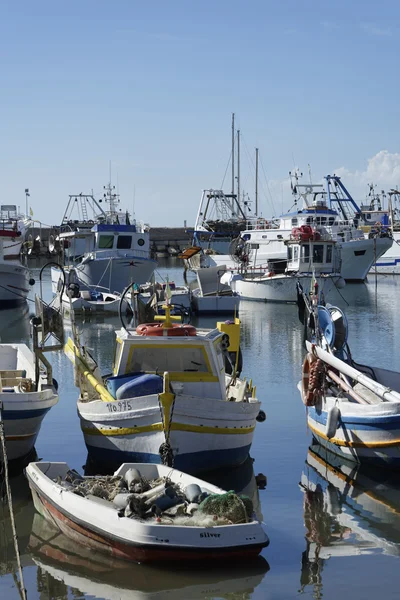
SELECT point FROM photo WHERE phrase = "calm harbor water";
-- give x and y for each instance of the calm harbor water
(333, 533)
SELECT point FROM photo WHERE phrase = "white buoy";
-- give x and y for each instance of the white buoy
(332, 421)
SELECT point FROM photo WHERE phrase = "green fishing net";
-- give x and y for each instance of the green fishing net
(238, 509)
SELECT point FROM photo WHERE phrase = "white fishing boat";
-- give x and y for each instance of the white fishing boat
(15, 277)
(112, 252)
(311, 256)
(211, 295)
(332, 208)
(174, 395)
(24, 398)
(13, 229)
(27, 388)
(177, 517)
(91, 300)
(352, 409)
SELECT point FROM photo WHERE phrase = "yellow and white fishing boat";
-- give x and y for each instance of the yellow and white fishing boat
(174, 396)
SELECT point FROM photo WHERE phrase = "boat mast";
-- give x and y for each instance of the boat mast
(238, 166)
(256, 211)
(233, 163)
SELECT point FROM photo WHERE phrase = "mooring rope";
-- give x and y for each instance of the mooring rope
(10, 506)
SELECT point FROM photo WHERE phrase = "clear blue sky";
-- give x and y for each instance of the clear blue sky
(151, 86)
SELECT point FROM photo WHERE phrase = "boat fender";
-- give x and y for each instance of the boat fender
(192, 492)
(122, 500)
(261, 416)
(132, 476)
(332, 421)
(55, 384)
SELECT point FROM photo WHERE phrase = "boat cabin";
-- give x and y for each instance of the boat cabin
(195, 363)
(313, 255)
(105, 237)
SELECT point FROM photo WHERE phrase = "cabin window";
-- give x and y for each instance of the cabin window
(318, 253)
(296, 253)
(106, 241)
(305, 252)
(124, 242)
(158, 360)
(140, 242)
(329, 253)
(368, 216)
(331, 220)
(294, 222)
(289, 253)
(309, 221)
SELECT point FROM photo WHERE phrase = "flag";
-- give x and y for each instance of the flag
(31, 211)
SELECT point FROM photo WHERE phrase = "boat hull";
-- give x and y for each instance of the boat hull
(215, 304)
(358, 255)
(389, 262)
(80, 305)
(99, 526)
(205, 433)
(115, 273)
(281, 288)
(368, 435)
(22, 415)
(14, 287)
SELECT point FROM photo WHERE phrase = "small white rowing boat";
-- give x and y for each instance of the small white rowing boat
(178, 517)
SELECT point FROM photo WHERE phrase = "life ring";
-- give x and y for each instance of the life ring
(158, 329)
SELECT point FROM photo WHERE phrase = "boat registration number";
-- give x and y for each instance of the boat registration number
(119, 406)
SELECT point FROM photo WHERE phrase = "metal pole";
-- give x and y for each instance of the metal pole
(256, 211)
(233, 163)
(238, 166)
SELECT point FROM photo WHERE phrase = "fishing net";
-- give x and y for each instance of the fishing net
(238, 509)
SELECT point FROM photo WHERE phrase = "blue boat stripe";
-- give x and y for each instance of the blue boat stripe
(363, 423)
(191, 462)
(15, 415)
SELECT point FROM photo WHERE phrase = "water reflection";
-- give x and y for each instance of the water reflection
(14, 325)
(348, 511)
(64, 569)
(23, 513)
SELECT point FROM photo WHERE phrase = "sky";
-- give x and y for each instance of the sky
(149, 87)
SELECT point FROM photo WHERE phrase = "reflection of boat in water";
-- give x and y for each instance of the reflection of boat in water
(14, 324)
(104, 577)
(348, 510)
(23, 513)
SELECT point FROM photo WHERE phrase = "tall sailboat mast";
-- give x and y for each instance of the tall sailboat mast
(238, 166)
(233, 164)
(256, 211)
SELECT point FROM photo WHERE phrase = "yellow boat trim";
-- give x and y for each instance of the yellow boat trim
(122, 431)
(356, 443)
(353, 482)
